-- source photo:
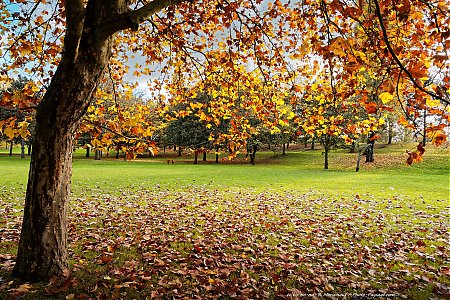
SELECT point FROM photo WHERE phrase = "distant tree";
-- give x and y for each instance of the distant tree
(17, 121)
(186, 129)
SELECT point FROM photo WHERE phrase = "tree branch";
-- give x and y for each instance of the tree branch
(74, 27)
(397, 60)
(133, 18)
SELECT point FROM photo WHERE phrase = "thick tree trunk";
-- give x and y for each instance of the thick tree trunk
(88, 151)
(42, 251)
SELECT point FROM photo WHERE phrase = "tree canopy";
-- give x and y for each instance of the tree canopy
(249, 53)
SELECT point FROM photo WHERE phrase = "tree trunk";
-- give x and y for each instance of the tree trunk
(390, 132)
(29, 149)
(11, 145)
(424, 140)
(98, 154)
(42, 251)
(117, 151)
(253, 155)
(22, 148)
(284, 149)
(313, 141)
(370, 147)
(358, 162)
(195, 157)
(88, 151)
(217, 154)
(326, 158)
(179, 151)
(204, 155)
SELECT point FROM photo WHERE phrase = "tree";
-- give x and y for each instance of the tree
(90, 33)
(254, 49)
(188, 131)
(120, 120)
(17, 112)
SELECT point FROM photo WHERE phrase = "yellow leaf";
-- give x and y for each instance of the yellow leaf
(9, 132)
(23, 129)
(386, 97)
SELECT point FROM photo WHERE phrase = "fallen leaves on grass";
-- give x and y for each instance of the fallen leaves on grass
(204, 243)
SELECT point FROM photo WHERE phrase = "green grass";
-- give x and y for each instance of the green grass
(299, 171)
(155, 219)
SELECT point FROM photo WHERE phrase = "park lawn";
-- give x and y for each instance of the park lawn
(281, 228)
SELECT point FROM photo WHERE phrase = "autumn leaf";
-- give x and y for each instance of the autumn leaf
(439, 138)
(10, 132)
(386, 97)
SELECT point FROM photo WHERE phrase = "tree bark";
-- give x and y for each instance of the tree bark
(42, 251)
(204, 155)
(195, 157)
(88, 151)
(326, 157)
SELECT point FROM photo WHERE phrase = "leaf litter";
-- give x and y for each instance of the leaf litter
(209, 244)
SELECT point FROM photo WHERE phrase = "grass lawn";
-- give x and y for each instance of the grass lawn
(283, 228)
